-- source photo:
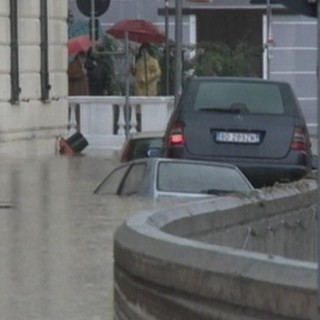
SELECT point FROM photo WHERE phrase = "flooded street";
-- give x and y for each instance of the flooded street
(57, 238)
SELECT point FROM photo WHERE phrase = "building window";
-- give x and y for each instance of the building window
(14, 47)
(44, 68)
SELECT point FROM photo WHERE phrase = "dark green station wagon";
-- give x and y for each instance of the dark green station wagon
(255, 124)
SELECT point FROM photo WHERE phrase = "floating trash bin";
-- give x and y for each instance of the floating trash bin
(74, 144)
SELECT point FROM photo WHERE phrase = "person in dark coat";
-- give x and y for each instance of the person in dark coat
(78, 81)
(97, 74)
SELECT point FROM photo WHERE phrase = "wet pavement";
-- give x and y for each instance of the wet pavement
(56, 259)
(56, 256)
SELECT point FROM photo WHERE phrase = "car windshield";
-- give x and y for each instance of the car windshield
(199, 178)
(237, 97)
(111, 183)
(141, 146)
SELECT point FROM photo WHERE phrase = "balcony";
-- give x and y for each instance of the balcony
(102, 118)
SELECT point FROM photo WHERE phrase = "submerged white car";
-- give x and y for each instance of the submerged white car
(161, 177)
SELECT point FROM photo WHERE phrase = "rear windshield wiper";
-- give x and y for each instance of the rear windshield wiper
(214, 109)
(221, 110)
(216, 192)
(234, 109)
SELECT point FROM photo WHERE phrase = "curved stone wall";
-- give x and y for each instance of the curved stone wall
(192, 261)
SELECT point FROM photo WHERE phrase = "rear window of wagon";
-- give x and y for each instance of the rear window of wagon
(256, 97)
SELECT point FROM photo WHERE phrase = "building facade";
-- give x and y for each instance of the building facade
(33, 78)
(288, 41)
(34, 57)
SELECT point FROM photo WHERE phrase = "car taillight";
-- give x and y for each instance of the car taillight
(176, 135)
(300, 139)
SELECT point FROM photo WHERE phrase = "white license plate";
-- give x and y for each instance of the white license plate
(237, 137)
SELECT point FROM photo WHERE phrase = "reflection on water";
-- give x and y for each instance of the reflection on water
(56, 240)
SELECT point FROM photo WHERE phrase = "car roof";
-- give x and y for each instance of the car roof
(146, 134)
(235, 79)
(160, 159)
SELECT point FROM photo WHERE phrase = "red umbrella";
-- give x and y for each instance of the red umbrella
(138, 30)
(77, 44)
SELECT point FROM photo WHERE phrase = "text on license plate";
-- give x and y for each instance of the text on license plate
(237, 137)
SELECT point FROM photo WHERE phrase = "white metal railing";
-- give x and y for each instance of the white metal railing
(103, 118)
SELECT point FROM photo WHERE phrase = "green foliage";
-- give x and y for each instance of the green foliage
(221, 60)
(105, 51)
(171, 74)
(210, 59)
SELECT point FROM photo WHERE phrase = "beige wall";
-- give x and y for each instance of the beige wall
(32, 121)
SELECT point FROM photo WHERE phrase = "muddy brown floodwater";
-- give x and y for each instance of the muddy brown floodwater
(56, 259)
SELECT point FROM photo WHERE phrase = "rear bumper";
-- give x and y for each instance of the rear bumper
(261, 172)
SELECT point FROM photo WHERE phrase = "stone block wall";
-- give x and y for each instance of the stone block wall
(169, 265)
(280, 227)
(32, 123)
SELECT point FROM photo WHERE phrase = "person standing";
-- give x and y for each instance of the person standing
(97, 74)
(147, 74)
(78, 82)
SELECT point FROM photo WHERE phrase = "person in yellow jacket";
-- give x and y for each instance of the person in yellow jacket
(147, 74)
